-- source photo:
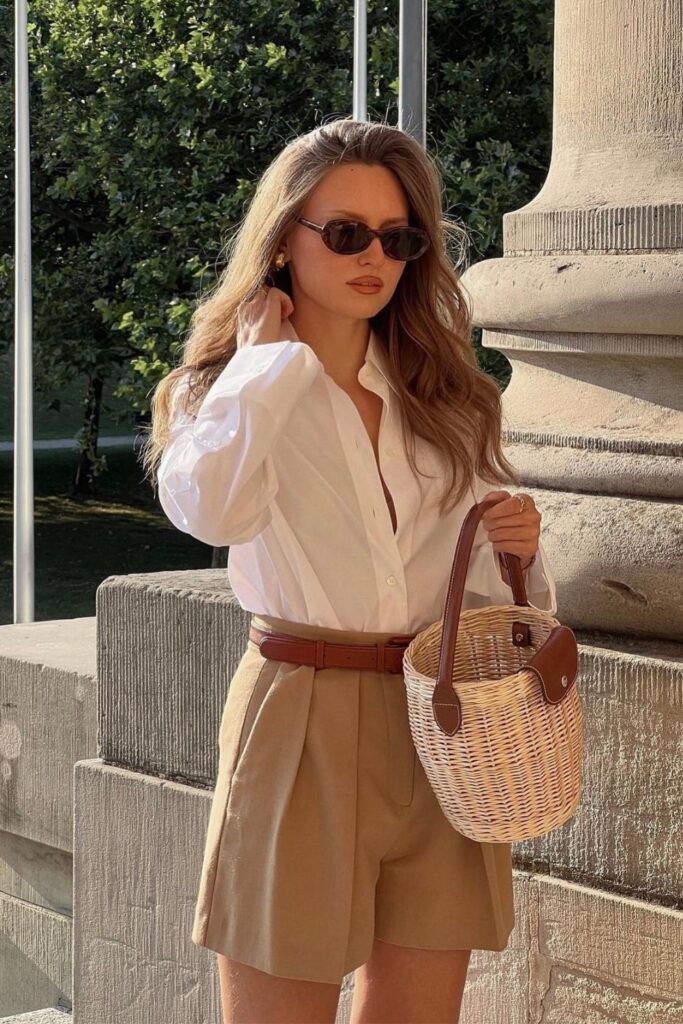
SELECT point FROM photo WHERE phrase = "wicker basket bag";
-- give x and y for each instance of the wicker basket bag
(494, 711)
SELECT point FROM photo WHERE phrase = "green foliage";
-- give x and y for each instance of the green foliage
(152, 120)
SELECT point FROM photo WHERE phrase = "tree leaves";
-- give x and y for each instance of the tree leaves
(152, 120)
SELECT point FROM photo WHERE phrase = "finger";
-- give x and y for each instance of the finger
(531, 518)
(527, 520)
(523, 531)
(528, 500)
(251, 303)
(509, 511)
(505, 506)
(498, 495)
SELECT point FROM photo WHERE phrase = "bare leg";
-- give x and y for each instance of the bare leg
(250, 996)
(413, 986)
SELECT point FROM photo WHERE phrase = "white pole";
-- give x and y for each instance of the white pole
(360, 60)
(23, 367)
(412, 69)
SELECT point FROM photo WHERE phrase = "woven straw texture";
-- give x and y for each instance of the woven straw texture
(513, 769)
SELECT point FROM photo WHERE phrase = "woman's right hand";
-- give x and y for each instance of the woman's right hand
(260, 319)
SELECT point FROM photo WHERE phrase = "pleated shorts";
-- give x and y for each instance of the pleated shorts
(324, 832)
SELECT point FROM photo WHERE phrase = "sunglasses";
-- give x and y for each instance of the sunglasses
(347, 237)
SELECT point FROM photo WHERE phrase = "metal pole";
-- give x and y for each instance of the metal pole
(360, 60)
(23, 368)
(412, 69)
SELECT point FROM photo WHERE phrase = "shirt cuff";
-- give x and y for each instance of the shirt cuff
(538, 583)
(484, 578)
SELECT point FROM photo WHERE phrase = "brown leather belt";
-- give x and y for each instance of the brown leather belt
(383, 656)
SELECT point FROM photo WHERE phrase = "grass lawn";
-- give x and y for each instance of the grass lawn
(79, 542)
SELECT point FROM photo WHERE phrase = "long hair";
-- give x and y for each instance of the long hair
(425, 329)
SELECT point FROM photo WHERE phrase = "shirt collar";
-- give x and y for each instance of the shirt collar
(375, 357)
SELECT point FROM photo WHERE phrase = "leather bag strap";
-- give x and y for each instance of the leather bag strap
(555, 663)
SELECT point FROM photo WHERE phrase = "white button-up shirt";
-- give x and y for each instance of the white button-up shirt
(278, 465)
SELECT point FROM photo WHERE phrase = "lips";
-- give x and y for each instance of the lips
(369, 282)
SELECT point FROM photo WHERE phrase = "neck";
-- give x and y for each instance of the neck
(340, 346)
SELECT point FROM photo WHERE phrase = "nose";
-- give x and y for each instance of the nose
(374, 249)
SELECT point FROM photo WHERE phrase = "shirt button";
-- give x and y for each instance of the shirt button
(390, 451)
(391, 580)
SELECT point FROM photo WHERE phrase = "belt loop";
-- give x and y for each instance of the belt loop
(320, 654)
(380, 656)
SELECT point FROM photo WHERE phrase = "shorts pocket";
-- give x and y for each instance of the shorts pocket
(260, 691)
(248, 690)
(401, 754)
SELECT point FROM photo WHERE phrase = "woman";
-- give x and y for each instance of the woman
(311, 427)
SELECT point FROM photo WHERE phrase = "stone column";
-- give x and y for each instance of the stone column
(587, 304)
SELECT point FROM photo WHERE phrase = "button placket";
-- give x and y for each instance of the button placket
(393, 579)
(363, 442)
(393, 595)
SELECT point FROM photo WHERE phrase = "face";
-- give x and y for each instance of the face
(355, 191)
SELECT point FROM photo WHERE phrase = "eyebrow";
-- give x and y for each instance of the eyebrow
(357, 216)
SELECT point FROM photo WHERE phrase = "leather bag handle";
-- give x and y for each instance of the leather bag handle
(555, 663)
(445, 701)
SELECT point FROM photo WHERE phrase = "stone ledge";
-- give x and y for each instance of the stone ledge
(48, 720)
(576, 953)
(632, 694)
(616, 293)
(35, 956)
(168, 645)
(51, 1015)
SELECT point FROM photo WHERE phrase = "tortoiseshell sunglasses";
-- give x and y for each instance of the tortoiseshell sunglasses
(347, 237)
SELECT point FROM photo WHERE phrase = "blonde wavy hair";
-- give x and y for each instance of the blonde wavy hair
(424, 331)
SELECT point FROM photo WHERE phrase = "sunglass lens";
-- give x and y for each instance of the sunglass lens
(347, 237)
(405, 243)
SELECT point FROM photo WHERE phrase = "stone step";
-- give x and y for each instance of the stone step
(50, 1015)
(48, 720)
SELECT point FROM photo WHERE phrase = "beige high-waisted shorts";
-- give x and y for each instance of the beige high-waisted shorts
(324, 831)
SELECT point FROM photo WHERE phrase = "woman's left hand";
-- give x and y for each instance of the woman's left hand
(511, 528)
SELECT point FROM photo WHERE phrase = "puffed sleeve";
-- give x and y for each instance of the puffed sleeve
(484, 584)
(216, 475)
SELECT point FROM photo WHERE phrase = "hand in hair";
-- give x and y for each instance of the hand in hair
(264, 318)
